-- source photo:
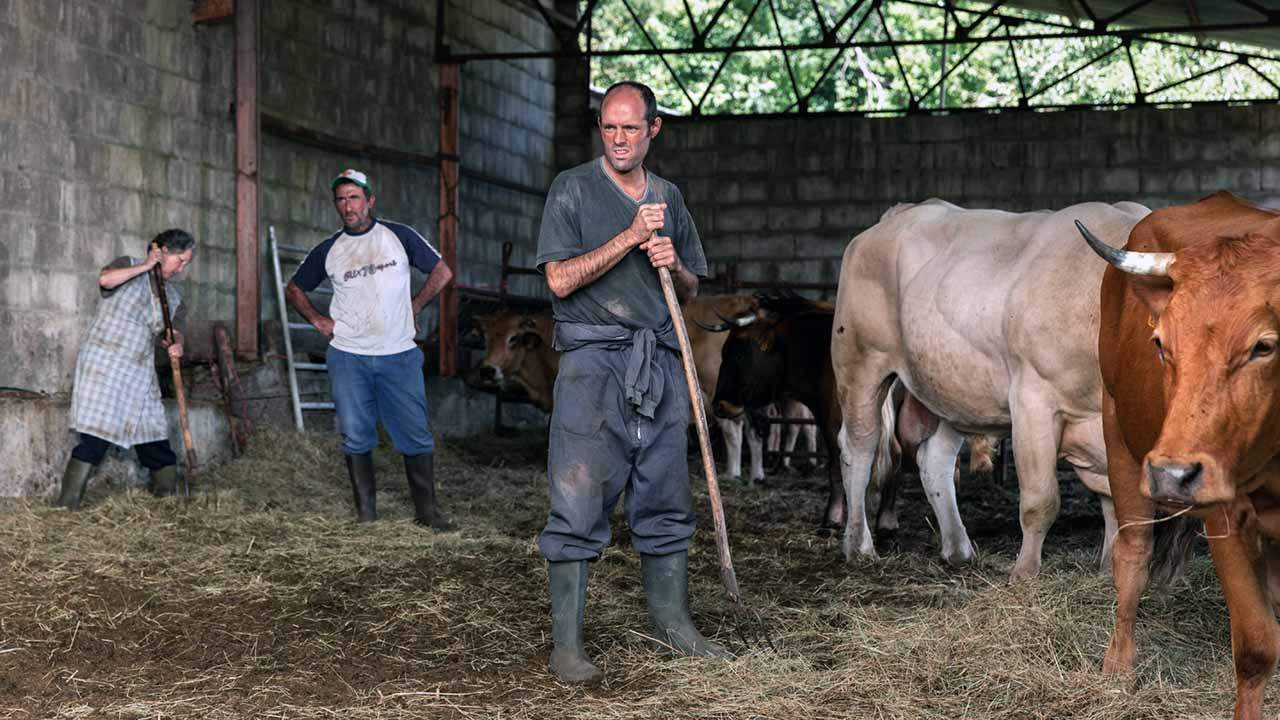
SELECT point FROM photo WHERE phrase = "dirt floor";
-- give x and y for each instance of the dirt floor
(265, 600)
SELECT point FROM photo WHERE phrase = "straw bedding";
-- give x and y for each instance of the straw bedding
(267, 601)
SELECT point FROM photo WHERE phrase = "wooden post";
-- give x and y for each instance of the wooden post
(247, 191)
(447, 227)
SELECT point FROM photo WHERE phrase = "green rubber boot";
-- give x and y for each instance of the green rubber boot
(666, 588)
(360, 468)
(420, 471)
(164, 481)
(74, 480)
(569, 661)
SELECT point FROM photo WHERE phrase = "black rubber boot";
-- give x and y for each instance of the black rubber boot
(666, 588)
(74, 480)
(360, 468)
(164, 481)
(569, 661)
(420, 470)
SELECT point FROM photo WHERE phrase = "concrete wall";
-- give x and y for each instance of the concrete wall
(113, 127)
(365, 71)
(781, 198)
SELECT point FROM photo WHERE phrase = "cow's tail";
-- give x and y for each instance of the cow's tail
(1171, 546)
(888, 450)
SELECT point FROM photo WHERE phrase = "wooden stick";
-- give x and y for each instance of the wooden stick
(157, 284)
(727, 576)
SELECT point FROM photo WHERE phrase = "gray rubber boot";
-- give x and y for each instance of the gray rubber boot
(569, 661)
(420, 470)
(360, 468)
(666, 588)
(74, 480)
(164, 481)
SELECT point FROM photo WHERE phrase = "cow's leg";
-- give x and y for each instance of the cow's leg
(855, 470)
(1099, 485)
(1255, 639)
(756, 446)
(779, 435)
(1035, 443)
(1108, 532)
(793, 410)
(937, 460)
(731, 428)
(887, 509)
(1131, 549)
(838, 508)
(857, 441)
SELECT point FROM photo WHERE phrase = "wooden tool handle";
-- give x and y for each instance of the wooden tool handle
(727, 575)
(157, 284)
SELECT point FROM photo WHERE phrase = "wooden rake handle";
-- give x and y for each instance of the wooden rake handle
(727, 576)
(157, 283)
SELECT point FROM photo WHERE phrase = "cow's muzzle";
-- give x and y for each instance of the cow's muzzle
(484, 377)
(726, 410)
(1174, 482)
(1196, 480)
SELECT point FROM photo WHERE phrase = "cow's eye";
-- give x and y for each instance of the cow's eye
(1265, 347)
(511, 341)
(1159, 347)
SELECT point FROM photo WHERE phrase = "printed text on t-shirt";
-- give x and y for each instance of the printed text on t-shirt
(367, 270)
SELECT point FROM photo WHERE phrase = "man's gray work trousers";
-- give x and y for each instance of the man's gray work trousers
(600, 446)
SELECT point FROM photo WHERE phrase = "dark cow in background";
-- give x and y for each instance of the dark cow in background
(1188, 346)
(779, 350)
(772, 353)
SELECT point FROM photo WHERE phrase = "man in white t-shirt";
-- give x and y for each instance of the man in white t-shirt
(375, 368)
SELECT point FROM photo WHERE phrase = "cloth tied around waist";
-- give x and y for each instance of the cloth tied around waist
(644, 381)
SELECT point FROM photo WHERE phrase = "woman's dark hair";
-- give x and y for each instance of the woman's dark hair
(650, 102)
(174, 240)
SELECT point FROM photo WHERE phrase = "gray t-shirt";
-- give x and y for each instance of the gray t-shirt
(585, 209)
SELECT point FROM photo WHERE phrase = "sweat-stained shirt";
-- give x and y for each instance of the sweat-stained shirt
(585, 209)
(372, 306)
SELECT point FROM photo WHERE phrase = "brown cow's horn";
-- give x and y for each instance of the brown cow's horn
(1134, 263)
(721, 327)
(738, 320)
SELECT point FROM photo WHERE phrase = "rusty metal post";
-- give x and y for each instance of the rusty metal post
(247, 190)
(447, 227)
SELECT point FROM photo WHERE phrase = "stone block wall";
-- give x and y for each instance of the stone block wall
(780, 198)
(365, 71)
(113, 127)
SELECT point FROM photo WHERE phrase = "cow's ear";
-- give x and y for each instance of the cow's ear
(531, 341)
(1153, 291)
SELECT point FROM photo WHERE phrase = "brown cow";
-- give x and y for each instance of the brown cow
(1191, 414)
(518, 349)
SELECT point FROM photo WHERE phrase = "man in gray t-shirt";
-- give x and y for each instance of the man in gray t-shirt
(621, 408)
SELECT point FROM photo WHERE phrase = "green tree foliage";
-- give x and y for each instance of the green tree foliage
(1014, 65)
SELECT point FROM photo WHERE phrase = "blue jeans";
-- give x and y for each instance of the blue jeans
(388, 388)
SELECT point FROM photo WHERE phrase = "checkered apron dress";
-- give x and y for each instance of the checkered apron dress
(116, 395)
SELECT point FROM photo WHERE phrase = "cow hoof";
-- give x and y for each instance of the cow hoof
(865, 550)
(956, 558)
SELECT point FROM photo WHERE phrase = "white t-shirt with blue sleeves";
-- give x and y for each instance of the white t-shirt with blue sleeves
(372, 306)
